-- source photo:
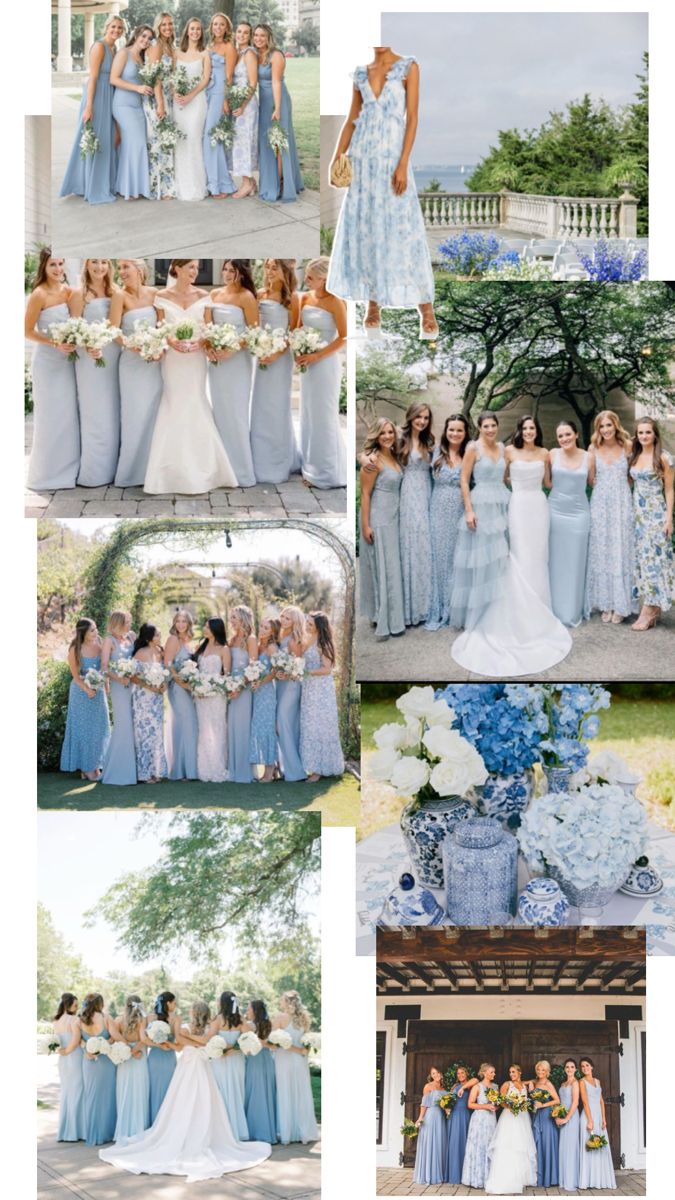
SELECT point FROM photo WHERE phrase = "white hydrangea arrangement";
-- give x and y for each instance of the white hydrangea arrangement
(249, 1042)
(97, 1045)
(606, 767)
(281, 1038)
(48, 1043)
(119, 1053)
(216, 1046)
(158, 1032)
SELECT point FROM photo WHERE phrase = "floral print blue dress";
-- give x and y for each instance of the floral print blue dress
(481, 1132)
(415, 538)
(148, 714)
(611, 547)
(446, 513)
(162, 177)
(320, 748)
(654, 580)
(263, 747)
(380, 251)
(87, 725)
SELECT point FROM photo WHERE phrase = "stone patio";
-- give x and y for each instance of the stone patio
(397, 1181)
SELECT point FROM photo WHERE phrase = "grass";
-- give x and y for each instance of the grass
(642, 731)
(315, 1080)
(302, 81)
(336, 799)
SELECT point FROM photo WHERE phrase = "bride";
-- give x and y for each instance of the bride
(214, 658)
(515, 633)
(512, 1154)
(191, 1135)
(193, 60)
(186, 453)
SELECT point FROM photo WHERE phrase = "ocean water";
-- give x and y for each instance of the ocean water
(451, 178)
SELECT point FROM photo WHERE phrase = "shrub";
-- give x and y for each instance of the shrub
(52, 709)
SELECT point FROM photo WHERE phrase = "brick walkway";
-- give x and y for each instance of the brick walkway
(397, 1181)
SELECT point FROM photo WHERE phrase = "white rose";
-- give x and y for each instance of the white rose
(416, 702)
(391, 737)
(409, 775)
(450, 778)
(440, 714)
(381, 764)
(443, 743)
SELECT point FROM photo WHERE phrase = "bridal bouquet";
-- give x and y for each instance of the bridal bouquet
(277, 137)
(119, 1053)
(254, 672)
(305, 341)
(47, 1043)
(448, 1102)
(216, 1046)
(249, 1042)
(149, 340)
(89, 143)
(185, 331)
(263, 342)
(68, 333)
(204, 687)
(97, 1045)
(559, 1112)
(280, 1038)
(222, 133)
(168, 134)
(153, 674)
(516, 1104)
(150, 74)
(94, 679)
(181, 81)
(237, 95)
(222, 337)
(158, 1032)
(596, 1141)
(289, 665)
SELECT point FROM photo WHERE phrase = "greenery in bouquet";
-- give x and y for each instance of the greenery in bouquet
(450, 1073)
(448, 1102)
(409, 1129)
(596, 1141)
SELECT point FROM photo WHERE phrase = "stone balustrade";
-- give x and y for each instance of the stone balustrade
(538, 216)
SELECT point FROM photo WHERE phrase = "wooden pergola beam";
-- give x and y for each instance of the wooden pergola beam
(391, 973)
(591, 968)
(420, 973)
(432, 945)
(449, 974)
(639, 973)
(616, 969)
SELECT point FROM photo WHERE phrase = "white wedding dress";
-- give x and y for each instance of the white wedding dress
(189, 154)
(192, 1134)
(512, 1154)
(517, 634)
(211, 728)
(186, 452)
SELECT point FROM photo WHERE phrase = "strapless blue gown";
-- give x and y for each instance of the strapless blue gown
(458, 1130)
(98, 401)
(322, 448)
(140, 394)
(273, 446)
(55, 456)
(230, 388)
(94, 177)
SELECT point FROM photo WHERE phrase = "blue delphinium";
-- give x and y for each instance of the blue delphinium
(507, 736)
(568, 714)
(610, 264)
(469, 253)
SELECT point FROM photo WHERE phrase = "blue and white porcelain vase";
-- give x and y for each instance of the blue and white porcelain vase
(481, 871)
(642, 880)
(558, 778)
(506, 797)
(542, 902)
(425, 825)
(410, 904)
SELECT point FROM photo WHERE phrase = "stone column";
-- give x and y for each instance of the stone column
(627, 213)
(88, 37)
(64, 58)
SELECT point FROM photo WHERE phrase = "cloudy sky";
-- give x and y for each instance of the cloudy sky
(482, 72)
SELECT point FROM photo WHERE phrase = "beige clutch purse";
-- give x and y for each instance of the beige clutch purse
(341, 172)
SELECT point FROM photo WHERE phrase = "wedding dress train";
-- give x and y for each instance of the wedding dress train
(512, 1154)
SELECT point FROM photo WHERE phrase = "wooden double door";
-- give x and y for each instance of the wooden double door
(440, 1043)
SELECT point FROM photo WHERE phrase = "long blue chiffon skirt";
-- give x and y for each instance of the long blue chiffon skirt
(119, 767)
(289, 699)
(545, 1133)
(568, 1146)
(260, 1097)
(133, 1098)
(98, 1098)
(271, 186)
(458, 1130)
(161, 1066)
(181, 734)
(94, 177)
(71, 1112)
(273, 447)
(431, 1153)
(229, 1073)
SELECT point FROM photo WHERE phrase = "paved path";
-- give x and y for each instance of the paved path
(397, 1181)
(248, 228)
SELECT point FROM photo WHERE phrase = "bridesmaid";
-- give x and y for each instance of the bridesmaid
(244, 649)
(119, 767)
(263, 750)
(651, 469)
(133, 1084)
(94, 176)
(482, 548)
(280, 176)
(260, 1089)
(55, 457)
(611, 548)
(544, 1128)
(181, 729)
(162, 1057)
(322, 448)
(147, 704)
(320, 748)
(569, 1149)
(295, 1104)
(416, 445)
(381, 584)
(275, 454)
(162, 175)
(230, 371)
(570, 525)
(289, 697)
(229, 1071)
(445, 516)
(481, 1129)
(212, 710)
(140, 381)
(133, 170)
(87, 723)
(98, 391)
(595, 1166)
(244, 154)
(67, 1028)
(98, 1075)
(431, 1155)
(458, 1125)
(223, 61)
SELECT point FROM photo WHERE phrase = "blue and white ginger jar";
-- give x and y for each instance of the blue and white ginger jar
(542, 902)
(410, 904)
(425, 825)
(506, 797)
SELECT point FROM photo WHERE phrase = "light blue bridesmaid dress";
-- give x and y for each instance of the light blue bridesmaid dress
(431, 1152)
(568, 540)
(481, 1132)
(218, 178)
(415, 538)
(133, 172)
(98, 401)
(273, 446)
(568, 1145)
(148, 713)
(481, 555)
(229, 1073)
(71, 1110)
(260, 1097)
(161, 1066)
(611, 548)
(181, 727)
(289, 698)
(119, 767)
(381, 577)
(458, 1131)
(595, 1166)
(263, 745)
(55, 456)
(133, 1097)
(320, 748)
(239, 724)
(94, 176)
(271, 187)
(87, 725)
(295, 1105)
(230, 388)
(546, 1139)
(98, 1095)
(140, 393)
(445, 514)
(322, 449)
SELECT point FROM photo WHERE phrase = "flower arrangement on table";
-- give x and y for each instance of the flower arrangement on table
(606, 767)
(149, 340)
(409, 1129)
(596, 1141)
(222, 337)
(568, 715)
(262, 341)
(94, 679)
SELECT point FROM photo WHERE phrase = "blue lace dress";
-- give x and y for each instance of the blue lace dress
(263, 747)
(320, 748)
(481, 555)
(380, 250)
(415, 538)
(654, 581)
(481, 1132)
(148, 714)
(87, 725)
(446, 514)
(611, 547)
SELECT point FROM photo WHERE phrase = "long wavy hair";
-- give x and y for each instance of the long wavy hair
(133, 38)
(517, 438)
(217, 627)
(657, 450)
(200, 1015)
(68, 999)
(92, 1004)
(133, 1015)
(622, 435)
(184, 39)
(161, 1006)
(426, 437)
(187, 616)
(261, 1020)
(242, 269)
(118, 619)
(298, 621)
(275, 632)
(289, 279)
(324, 637)
(109, 286)
(246, 619)
(295, 1008)
(41, 271)
(146, 634)
(444, 444)
(228, 1008)
(165, 46)
(81, 630)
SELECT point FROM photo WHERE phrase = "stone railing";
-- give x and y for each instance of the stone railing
(460, 210)
(538, 216)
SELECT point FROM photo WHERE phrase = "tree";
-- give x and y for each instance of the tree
(262, 12)
(63, 556)
(307, 37)
(143, 12)
(379, 376)
(59, 969)
(434, 185)
(202, 9)
(216, 875)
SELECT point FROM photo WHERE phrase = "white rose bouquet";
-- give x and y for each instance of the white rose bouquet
(158, 1031)
(254, 672)
(216, 1046)
(94, 679)
(48, 1043)
(249, 1042)
(222, 337)
(280, 1038)
(119, 1053)
(68, 333)
(312, 1041)
(97, 1046)
(289, 664)
(149, 340)
(305, 341)
(265, 341)
(96, 335)
(153, 674)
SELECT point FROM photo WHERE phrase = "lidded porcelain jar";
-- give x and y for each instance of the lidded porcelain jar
(543, 902)
(410, 904)
(480, 861)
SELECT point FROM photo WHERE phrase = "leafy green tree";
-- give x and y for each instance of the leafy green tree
(434, 185)
(379, 376)
(143, 12)
(63, 556)
(262, 12)
(202, 9)
(307, 37)
(59, 969)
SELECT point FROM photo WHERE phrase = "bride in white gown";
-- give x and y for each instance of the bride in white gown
(512, 1154)
(214, 658)
(190, 114)
(517, 634)
(192, 1135)
(186, 452)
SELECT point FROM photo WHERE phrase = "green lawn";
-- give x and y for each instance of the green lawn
(302, 81)
(336, 799)
(315, 1079)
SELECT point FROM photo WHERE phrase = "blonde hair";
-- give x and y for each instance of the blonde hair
(246, 618)
(118, 619)
(297, 621)
(228, 23)
(183, 612)
(543, 1063)
(140, 265)
(133, 1014)
(163, 44)
(375, 431)
(299, 1014)
(200, 1015)
(109, 282)
(115, 17)
(622, 435)
(319, 266)
(483, 1068)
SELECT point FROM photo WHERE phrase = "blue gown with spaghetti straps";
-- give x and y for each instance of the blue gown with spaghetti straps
(98, 1095)
(140, 394)
(55, 456)
(271, 186)
(230, 388)
(181, 727)
(458, 1129)
(133, 168)
(229, 1073)
(431, 1152)
(289, 697)
(295, 1105)
(119, 767)
(239, 724)
(218, 178)
(71, 1111)
(94, 176)
(568, 540)
(98, 401)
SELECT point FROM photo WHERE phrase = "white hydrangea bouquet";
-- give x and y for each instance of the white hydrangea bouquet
(216, 1046)
(280, 1038)
(158, 1031)
(222, 337)
(290, 665)
(97, 1045)
(305, 341)
(254, 672)
(48, 1043)
(149, 340)
(263, 341)
(153, 674)
(249, 1042)
(94, 679)
(119, 1053)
